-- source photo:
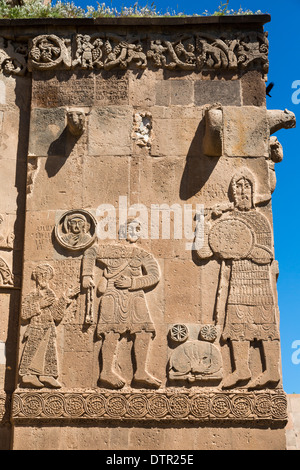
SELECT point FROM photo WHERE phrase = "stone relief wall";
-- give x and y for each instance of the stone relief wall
(129, 317)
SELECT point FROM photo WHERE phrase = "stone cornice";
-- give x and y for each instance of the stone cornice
(238, 21)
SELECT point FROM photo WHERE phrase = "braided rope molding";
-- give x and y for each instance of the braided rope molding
(165, 405)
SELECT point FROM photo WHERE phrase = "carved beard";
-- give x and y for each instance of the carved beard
(244, 203)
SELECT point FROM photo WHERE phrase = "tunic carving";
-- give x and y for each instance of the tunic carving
(39, 364)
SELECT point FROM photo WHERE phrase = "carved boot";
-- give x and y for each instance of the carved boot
(109, 377)
(242, 372)
(49, 381)
(270, 376)
(31, 380)
(142, 378)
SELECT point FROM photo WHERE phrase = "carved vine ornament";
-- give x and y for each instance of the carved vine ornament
(205, 51)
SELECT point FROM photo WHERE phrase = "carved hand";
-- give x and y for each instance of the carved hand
(87, 281)
(47, 301)
(123, 283)
(260, 254)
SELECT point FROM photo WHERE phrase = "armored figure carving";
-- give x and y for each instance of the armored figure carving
(127, 271)
(39, 365)
(241, 237)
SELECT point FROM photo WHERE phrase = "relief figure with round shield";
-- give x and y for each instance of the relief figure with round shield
(240, 237)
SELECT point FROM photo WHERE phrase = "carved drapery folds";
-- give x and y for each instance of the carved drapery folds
(115, 325)
(207, 52)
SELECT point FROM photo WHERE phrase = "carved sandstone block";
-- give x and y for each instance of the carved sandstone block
(225, 92)
(148, 273)
(175, 135)
(47, 127)
(110, 129)
(253, 89)
(246, 132)
(55, 170)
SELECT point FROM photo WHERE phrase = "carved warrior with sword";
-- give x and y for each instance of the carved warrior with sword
(241, 238)
(127, 271)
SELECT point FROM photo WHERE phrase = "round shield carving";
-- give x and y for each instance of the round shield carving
(76, 230)
(231, 239)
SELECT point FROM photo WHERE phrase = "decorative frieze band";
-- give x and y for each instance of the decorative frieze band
(204, 406)
(200, 52)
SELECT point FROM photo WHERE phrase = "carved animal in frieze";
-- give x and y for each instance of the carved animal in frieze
(253, 49)
(13, 57)
(209, 51)
(216, 54)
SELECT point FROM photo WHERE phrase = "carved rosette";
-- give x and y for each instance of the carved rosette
(204, 406)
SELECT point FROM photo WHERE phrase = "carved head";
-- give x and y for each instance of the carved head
(42, 274)
(242, 189)
(76, 120)
(76, 223)
(130, 231)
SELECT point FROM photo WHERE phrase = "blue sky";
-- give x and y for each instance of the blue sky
(284, 71)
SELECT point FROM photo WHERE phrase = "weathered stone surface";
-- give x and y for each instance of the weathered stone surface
(253, 89)
(245, 131)
(110, 131)
(156, 438)
(292, 428)
(47, 132)
(143, 266)
(227, 93)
